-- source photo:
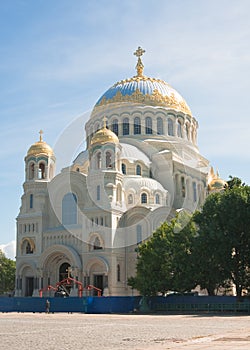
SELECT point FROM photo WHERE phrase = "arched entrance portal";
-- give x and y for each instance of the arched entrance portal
(97, 270)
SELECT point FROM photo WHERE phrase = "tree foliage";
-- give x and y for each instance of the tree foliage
(164, 259)
(7, 274)
(210, 249)
(224, 238)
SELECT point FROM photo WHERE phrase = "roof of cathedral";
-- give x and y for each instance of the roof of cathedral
(139, 183)
(40, 147)
(104, 135)
(132, 153)
(145, 90)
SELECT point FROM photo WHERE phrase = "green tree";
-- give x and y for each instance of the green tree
(164, 259)
(211, 270)
(7, 274)
(222, 247)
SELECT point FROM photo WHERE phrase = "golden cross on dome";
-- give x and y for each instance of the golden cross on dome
(41, 135)
(138, 53)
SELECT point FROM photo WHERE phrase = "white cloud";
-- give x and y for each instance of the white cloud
(9, 249)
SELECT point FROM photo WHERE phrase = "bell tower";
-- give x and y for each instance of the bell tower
(39, 162)
(31, 220)
(105, 179)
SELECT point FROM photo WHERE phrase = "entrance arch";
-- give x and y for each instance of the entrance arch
(54, 263)
(97, 270)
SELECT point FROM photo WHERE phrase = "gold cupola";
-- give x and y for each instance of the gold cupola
(40, 147)
(215, 183)
(104, 135)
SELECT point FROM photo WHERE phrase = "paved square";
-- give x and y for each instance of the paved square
(40, 331)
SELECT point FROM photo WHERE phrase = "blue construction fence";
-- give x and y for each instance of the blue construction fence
(104, 305)
(186, 303)
(88, 304)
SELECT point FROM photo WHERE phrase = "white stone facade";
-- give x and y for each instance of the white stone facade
(134, 174)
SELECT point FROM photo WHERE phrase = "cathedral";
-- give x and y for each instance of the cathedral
(140, 167)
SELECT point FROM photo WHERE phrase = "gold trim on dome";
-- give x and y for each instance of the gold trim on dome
(156, 99)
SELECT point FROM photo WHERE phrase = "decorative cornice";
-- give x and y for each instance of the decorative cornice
(154, 99)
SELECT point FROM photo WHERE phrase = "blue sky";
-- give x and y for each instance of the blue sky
(57, 58)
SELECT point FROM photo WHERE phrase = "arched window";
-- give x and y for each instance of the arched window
(97, 244)
(187, 131)
(157, 198)
(31, 201)
(98, 160)
(179, 130)
(124, 169)
(118, 273)
(125, 126)
(108, 160)
(138, 169)
(194, 192)
(170, 127)
(148, 125)
(144, 198)
(183, 187)
(28, 248)
(115, 126)
(31, 171)
(130, 199)
(41, 171)
(159, 126)
(69, 209)
(137, 126)
(138, 234)
(98, 192)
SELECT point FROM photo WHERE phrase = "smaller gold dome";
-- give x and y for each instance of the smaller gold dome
(103, 136)
(215, 183)
(40, 147)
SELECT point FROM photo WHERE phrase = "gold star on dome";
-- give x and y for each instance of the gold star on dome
(138, 53)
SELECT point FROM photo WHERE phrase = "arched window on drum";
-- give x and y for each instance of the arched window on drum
(125, 126)
(137, 126)
(115, 126)
(144, 198)
(159, 126)
(170, 127)
(138, 169)
(148, 126)
(157, 198)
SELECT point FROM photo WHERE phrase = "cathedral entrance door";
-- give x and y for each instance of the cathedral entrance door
(29, 286)
(98, 282)
(63, 271)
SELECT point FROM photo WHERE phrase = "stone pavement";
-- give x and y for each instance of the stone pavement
(40, 331)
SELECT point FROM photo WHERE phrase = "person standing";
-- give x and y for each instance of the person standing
(47, 306)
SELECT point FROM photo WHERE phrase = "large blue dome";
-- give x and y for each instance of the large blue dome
(144, 90)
